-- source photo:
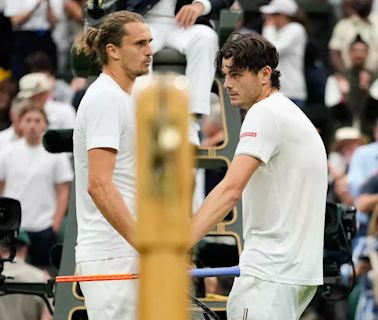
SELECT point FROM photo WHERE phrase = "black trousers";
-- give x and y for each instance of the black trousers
(29, 42)
(6, 40)
(41, 244)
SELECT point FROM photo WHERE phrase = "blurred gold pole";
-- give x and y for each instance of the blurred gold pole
(164, 196)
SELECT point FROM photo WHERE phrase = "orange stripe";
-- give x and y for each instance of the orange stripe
(96, 277)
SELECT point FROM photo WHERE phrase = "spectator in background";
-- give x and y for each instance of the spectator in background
(40, 62)
(368, 198)
(39, 180)
(13, 132)
(347, 139)
(75, 14)
(341, 8)
(38, 88)
(32, 22)
(8, 90)
(350, 96)
(213, 136)
(23, 306)
(74, 10)
(185, 26)
(5, 39)
(61, 35)
(282, 27)
(363, 166)
(213, 132)
(361, 22)
(366, 306)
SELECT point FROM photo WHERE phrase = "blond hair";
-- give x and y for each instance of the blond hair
(93, 40)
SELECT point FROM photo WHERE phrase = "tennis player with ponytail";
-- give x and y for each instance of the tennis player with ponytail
(104, 154)
(280, 171)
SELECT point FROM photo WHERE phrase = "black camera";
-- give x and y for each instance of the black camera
(10, 221)
(340, 229)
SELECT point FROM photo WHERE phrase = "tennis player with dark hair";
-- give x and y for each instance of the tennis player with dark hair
(280, 171)
(104, 154)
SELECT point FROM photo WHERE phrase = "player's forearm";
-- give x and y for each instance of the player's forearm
(111, 204)
(215, 207)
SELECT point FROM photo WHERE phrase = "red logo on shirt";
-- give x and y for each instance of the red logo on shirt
(248, 134)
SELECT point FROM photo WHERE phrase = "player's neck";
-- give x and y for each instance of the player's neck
(266, 92)
(118, 75)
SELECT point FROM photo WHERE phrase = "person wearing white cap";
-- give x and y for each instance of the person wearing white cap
(38, 88)
(347, 140)
(282, 27)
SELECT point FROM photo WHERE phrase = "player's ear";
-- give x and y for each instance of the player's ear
(112, 51)
(265, 74)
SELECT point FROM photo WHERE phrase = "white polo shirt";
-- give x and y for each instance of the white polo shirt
(105, 119)
(284, 201)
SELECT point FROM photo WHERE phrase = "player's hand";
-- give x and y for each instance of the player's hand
(189, 13)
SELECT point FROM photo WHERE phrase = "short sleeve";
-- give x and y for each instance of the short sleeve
(259, 134)
(104, 120)
(63, 171)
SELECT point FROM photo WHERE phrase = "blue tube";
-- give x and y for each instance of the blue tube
(215, 272)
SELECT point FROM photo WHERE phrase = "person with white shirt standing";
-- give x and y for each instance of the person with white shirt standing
(39, 180)
(290, 38)
(32, 23)
(104, 156)
(280, 171)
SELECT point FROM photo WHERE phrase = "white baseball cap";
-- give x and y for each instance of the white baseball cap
(347, 133)
(287, 7)
(34, 83)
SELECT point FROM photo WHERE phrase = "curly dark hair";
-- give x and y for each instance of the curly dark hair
(252, 52)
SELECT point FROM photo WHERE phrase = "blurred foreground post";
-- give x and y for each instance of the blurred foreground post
(164, 193)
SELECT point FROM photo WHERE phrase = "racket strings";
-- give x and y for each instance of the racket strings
(199, 311)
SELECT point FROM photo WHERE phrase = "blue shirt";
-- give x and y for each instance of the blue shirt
(363, 165)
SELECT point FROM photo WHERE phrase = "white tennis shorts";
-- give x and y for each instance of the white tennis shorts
(110, 300)
(255, 299)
